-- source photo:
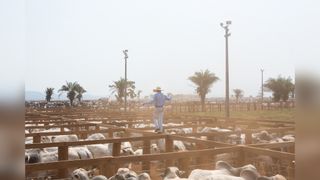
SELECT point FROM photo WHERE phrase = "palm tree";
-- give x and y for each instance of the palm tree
(118, 88)
(203, 80)
(281, 87)
(49, 93)
(138, 94)
(238, 94)
(80, 91)
(292, 91)
(70, 88)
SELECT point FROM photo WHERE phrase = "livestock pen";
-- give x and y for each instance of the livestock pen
(269, 158)
(204, 158)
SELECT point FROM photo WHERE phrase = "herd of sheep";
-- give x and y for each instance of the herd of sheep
(223, 170)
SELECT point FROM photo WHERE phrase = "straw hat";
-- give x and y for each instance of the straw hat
(157, 89)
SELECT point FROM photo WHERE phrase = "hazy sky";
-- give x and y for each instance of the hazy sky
(168, 41)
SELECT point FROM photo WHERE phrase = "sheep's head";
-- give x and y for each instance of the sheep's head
(172, 172)
(130, 176)
(127, 151)
(264, 135)
(32, 156)
(144, 176)
(125, 173)
(123, 170)
(45, 139)
(154, 148)
(80, 174)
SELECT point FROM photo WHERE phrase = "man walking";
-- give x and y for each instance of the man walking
(158, 102)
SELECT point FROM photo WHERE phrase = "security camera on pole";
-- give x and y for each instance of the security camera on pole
(261, 85)
(125, 52)
(227, 34)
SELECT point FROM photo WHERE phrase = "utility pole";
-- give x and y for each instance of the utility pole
(125, 52)
(227, 34)
(261, 85)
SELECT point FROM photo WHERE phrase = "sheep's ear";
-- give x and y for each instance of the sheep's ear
(52, 138)
(223, 165)
(131, 152)
(249, 175)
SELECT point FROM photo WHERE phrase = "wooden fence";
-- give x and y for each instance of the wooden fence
(204, 155)
(174, 107)
(220, 107)
(184, 160)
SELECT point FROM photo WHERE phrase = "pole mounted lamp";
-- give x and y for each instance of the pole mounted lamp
(125, 52)
(261, 84)
(225, 26)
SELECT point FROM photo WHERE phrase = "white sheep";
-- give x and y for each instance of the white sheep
(82, 174)
(64, 138)
(99, 150)
(173, 173)
(96, 136)
(223, 169)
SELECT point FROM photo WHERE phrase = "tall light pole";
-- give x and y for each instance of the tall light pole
(125, 52)
(261, 85)
(227, 34)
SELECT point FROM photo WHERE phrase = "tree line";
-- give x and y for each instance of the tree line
(281, 87)
(73, 89)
